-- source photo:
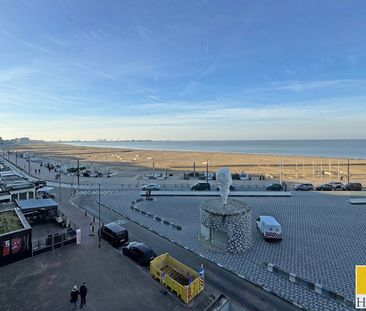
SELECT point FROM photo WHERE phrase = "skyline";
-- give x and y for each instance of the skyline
(198, 70)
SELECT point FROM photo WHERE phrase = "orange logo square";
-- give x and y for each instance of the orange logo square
(360, 280)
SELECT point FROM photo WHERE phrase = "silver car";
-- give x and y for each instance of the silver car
(151, 187)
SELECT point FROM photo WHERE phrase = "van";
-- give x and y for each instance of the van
(270, 228)
(201, 186)
(115, 234)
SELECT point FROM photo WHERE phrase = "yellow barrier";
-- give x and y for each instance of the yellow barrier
(185, 282)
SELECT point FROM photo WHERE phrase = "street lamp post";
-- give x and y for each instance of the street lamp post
(347, 170)
(78, 174)
(59, 176)
(207, 171)
(99, 232)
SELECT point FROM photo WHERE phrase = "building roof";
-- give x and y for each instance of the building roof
(11, 181)
(36, 203)
(7, 205)
(18, 214)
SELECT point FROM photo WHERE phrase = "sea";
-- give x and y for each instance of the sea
(337, 148)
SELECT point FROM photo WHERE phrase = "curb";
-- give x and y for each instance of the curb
(155, 217)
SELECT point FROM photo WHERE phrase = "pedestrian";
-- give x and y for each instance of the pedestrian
(39, 171)
(74, 297)
(83, 292)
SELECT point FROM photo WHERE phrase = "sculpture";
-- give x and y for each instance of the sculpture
(224, 180)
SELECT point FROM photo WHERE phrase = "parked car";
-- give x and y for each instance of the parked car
(40, 183)
(139, 252)
(325, 187)
(354, 186)
(274, 187)
(232, 188)
(115, 234)
(201, 186)
(151, 187)
(304, 187)
(269, 227)
(337, 185)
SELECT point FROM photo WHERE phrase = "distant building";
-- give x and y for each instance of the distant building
(13, 187)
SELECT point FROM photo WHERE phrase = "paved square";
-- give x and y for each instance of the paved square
(324, 238)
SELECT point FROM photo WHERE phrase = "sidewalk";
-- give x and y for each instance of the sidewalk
(114, 282)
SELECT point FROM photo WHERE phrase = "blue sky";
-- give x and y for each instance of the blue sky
(182, 69)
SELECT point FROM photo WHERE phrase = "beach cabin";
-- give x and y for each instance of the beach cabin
(269, 227)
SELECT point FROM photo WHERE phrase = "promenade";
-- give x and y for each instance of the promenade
(114, 282)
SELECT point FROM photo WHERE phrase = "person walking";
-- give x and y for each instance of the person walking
(83, 292)
(74, 297)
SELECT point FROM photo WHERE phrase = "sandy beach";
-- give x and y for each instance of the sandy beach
(134, 162)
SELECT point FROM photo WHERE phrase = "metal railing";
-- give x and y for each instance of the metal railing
(56, 240)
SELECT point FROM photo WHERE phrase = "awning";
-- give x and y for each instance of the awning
(45, 189)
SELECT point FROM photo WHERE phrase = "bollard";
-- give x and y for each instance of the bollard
(292, 277)
(91, 229)
(270, 267)
(85, 213)
(318, 288)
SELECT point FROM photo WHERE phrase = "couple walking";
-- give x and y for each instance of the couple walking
(75, 295)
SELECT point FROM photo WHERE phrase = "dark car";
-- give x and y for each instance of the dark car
(139, 252)
(201, 186)
(274, 187)
(114, 234)
(40, 183)
(354, 186)
(304, 187)
(337, 185)
(325, 187)
(232, 188)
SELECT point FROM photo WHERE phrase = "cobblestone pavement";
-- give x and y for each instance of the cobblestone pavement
(323, 240)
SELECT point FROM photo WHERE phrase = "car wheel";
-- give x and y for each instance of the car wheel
(139, 262)
(124, 251)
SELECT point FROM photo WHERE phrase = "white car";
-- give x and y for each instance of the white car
(269, 227)
(151, 187)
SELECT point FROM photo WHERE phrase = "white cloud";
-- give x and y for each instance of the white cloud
(301, 86)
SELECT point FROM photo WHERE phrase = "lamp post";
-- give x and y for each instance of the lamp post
(281, 168)
(348, 171)
(78, 172)
(207, 171)
(29, 163)
(59, 176)
(99, 232)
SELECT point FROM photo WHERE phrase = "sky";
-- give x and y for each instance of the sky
(182, 70)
